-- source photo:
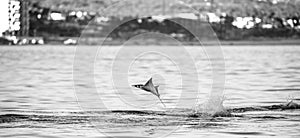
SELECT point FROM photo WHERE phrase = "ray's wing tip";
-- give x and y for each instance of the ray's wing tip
(150, 80)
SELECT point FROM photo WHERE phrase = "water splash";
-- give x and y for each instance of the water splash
(212, 107)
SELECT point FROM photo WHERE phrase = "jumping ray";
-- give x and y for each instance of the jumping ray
(149, 87)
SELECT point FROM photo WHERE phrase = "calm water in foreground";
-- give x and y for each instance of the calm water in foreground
(42, 96)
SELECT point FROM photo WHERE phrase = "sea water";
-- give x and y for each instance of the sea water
(40, 97)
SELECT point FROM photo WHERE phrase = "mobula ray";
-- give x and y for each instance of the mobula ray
(149, 87)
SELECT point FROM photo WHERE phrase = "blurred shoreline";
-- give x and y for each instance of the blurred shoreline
(174, 42)
(153, 42)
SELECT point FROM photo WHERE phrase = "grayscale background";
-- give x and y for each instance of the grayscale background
(225, 68)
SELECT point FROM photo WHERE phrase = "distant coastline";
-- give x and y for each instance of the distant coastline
(203, 43)
(258, 43)
(150, 41)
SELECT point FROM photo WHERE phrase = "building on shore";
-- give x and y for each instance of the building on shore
(18, 14)
(16, 22)
(14, 16)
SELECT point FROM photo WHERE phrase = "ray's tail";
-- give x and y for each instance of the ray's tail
(162, 102)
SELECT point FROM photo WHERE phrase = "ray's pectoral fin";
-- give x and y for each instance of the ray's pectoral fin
(149, 84)
(149, 87)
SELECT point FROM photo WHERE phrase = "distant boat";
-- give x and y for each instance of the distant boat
(149, 87)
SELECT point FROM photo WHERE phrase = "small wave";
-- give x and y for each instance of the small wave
(244, 133)
(133, 112)
(275, 90)
(288, 106)
(11, 118)
(269, 117)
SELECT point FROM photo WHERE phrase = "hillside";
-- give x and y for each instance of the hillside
(283, 17)
(121, 8)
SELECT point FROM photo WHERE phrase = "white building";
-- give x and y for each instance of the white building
(14, 17)
(246, 22)
(4, 16)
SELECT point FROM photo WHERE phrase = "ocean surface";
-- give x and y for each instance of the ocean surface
(61, 91)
